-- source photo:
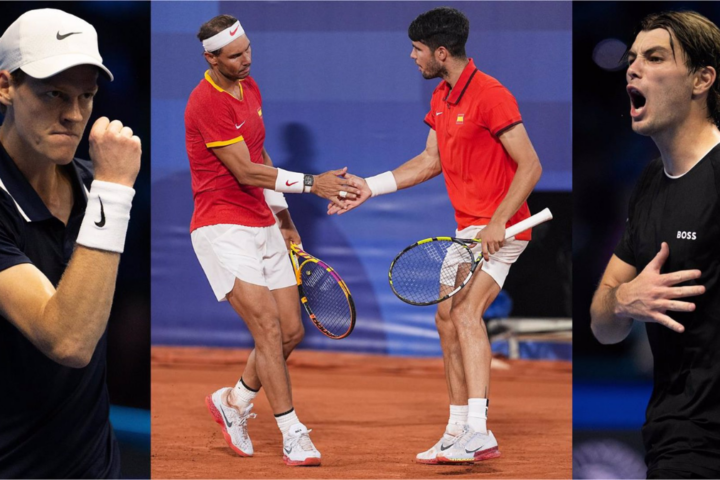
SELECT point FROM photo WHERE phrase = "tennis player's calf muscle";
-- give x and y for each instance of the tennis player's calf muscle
(466, 312)
(258, 308)
(452, 356)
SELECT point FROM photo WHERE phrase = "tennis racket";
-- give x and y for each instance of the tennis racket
(435, 269)
(324, 295)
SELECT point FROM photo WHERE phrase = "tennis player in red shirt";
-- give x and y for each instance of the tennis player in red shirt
(241, 247)
(478, 141)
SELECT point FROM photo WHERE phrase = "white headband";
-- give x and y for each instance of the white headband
(219, 40)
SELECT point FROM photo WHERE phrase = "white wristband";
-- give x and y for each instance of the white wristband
(275, 200)
(289, 182)
(106, 217)
(382, 184)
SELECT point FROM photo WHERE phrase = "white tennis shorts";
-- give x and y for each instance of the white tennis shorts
(499, 264)
(256, 255)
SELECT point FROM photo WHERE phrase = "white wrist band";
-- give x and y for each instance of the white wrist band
(106, 217)
(289, 182)
(275, 200)
(382, 184)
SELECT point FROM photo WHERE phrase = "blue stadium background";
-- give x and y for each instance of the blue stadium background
(339, 89)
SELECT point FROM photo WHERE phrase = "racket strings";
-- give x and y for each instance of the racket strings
(428, 272)
(326, 299)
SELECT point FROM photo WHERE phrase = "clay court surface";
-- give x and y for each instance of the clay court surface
(370, 415)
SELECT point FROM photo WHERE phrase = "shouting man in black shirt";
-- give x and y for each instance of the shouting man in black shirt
(666, 269)
(61, 236)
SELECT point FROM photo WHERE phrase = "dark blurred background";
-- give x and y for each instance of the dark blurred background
(124, 36)
(612, 384)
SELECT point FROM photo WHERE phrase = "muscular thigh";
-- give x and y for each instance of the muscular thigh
(254, 303)
(478, 294)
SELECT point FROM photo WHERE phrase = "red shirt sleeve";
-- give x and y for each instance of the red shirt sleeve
(499, 109)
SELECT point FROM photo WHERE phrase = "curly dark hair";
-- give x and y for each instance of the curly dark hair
(441, 27)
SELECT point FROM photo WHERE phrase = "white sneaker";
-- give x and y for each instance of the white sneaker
(298, 449)
(233, 422)
(471, 447)
(429, 457)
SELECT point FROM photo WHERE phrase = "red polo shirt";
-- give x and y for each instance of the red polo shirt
(468, 120)
(214, 118)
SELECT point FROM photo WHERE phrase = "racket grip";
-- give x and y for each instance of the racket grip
(533, 221)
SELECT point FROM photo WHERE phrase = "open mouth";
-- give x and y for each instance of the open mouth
(637, 99)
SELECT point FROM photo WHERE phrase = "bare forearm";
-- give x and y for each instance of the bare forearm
(263, 176)
(526, 177)
(607, 321)
(417, 170)
(284, 219)
(76, 316)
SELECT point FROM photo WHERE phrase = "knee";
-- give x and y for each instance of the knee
(464, 318)
(292, 338)
(267, 332)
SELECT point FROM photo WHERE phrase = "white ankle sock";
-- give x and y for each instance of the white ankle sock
(458, 419)
(286, 420)
(242, 395)
(477, 414)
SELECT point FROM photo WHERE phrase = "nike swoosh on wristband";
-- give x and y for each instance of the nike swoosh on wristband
(63, 37)
(287, 182)
(232, 34)
(101, 223)
(229, 424)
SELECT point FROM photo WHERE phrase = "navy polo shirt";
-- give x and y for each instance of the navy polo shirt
(54, 420)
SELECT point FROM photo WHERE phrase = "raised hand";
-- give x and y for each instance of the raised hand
(350, 203)
(651, 294)
(115, 152)
(334, 186)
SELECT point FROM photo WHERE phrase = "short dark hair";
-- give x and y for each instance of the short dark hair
(18, 77)
(441, 27)
(699, 39)
(214, 26)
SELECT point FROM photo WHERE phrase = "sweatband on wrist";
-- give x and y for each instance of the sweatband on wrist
(289, 182)
(275, 200)
(105, 223)
(220, 39)
(382, 184)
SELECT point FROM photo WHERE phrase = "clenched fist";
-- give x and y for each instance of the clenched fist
(115, 152)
